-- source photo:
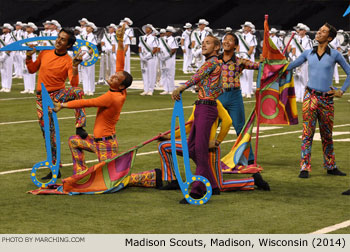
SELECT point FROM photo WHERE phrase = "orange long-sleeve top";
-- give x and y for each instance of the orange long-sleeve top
(109, 105)
(53, 70)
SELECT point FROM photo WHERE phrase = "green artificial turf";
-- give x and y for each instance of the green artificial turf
(293, 205)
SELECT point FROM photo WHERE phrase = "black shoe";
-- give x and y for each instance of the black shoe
(304, 174)
(81, 132)
(173, 185)
(196, 196)
(193, 195)
(346, 192)
(250, 162)
(159, 182)
(336, 171)
(216, 191)
(260, 183)
(49, 176)
(183, 201)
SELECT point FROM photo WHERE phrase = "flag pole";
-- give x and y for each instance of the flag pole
(258, 115)
(290, 40)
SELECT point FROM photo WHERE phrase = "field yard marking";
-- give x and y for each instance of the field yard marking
(72, 117)
(70, 164)
(154, 152)
(125, 112)
(332, 228)
(33, 97)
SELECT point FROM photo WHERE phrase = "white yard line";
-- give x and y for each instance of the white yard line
(154, 152)
(70, 164)
(72, 117)
(126, 112)
(332, 228)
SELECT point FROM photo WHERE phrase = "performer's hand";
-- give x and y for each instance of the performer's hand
(335, 92)
(30, 53)
(213, 144)
(120, 33)
(261, 58)
(176, 93)
(58, 106)
(78, 58)
(163, 137)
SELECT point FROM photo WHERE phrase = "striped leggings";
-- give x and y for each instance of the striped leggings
(167, 167)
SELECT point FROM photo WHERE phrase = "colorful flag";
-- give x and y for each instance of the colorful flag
(275, 86)
(108, 176)
(236, 161)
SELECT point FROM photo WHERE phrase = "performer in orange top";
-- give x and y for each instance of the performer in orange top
(54, 67)
(103, 142)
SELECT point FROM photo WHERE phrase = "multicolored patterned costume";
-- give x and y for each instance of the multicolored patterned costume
(62, 95)
(54, 70)
(232, 99)
(321, 109)
(317, 105)
(213, 160)
(168, 175)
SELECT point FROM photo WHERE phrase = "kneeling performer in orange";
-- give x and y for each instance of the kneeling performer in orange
(103, 142)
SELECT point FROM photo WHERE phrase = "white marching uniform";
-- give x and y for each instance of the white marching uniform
(129, 34)
(246, 40)
(148, 62)
(44, 33)
(168, 62)
(79, 36)
(301, 73)
(18, 55)
(28, 78)
(109, 56)
(127, 41)
(6, 62)
(186, 36)
(277, 41)
(88, 72)
(335, 44)
(198, 37)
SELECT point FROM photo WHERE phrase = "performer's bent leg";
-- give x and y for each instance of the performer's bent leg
(146, 179)
(106, 149)
(231, 184)
(77, 146)
(310, 105)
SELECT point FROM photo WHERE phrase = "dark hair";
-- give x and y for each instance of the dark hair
(127, 81)
(332, 30)
(216, 41)
(234, 37)
(71, 38)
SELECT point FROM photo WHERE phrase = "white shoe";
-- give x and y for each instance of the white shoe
(150, 93)
(30, 92)
(244, 95)
(7, 90)
(164, 93)
(24, 92)
(2, 90)
(143, 93)
(249, 96)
